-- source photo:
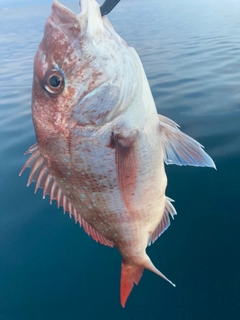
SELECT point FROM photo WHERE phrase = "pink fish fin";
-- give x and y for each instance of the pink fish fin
(63, 201)
(40, 174)
(150, 266)
(131, 274)
(93, 232)
(36, 163)
(181, 149)
(165, 221)
(124, 142)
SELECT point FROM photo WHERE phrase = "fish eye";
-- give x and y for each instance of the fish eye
(54, 81)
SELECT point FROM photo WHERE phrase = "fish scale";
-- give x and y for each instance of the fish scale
(101, 146)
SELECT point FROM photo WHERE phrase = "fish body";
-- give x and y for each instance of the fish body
(101, 145)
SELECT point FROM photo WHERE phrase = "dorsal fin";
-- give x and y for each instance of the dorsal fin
(45, 180)
(165, 221)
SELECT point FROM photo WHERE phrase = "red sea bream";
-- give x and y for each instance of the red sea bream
(101, 146)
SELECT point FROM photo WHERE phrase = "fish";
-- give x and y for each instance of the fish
(101, 145)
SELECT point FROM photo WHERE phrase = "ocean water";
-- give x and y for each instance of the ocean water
(49, 268)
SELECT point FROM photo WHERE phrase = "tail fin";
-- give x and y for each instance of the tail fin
(131, 274)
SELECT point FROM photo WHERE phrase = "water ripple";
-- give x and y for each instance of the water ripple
(191, 53)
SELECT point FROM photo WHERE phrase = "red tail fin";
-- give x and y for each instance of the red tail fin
(129, 275)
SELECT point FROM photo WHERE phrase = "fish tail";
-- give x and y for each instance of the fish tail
(150, 266)
(131, 274)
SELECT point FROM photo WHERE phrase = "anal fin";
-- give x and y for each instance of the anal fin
(165, 221)
(180, 148)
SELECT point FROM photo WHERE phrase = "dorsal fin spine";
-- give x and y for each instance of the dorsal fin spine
(30, 160)
(59, 197)
(47, 185)
(45, 180)
(36, 166)
(40, 178)
(64, 204)
(53, 191)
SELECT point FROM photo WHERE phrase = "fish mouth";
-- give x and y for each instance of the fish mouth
(62, 16)
(65, 21)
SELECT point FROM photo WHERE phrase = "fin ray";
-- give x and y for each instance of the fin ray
(41, 178)
(45, 180)
(165, 221)
(130, 275)
(181, 149)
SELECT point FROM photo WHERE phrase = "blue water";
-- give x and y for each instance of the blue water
(49, 268)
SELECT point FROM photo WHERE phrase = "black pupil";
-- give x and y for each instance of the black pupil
(55, 81)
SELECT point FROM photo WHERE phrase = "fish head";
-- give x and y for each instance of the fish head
(79, 71)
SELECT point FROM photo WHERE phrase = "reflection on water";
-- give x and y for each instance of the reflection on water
(49, 269)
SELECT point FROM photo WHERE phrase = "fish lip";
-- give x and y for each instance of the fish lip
(58, 8)
(64, 20)
(62, 15)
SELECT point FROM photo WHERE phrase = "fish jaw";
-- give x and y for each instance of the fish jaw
(65, 19)
(62, 48)
(86, 62)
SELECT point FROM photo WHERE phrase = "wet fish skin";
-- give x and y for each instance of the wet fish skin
(101, 145)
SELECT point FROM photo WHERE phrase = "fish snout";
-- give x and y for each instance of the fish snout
(64, 20)
(61, 14)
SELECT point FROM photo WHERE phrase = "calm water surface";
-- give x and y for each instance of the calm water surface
(49, 268)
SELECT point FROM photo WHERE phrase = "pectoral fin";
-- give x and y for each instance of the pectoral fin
(124, 143)
(181, 149)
